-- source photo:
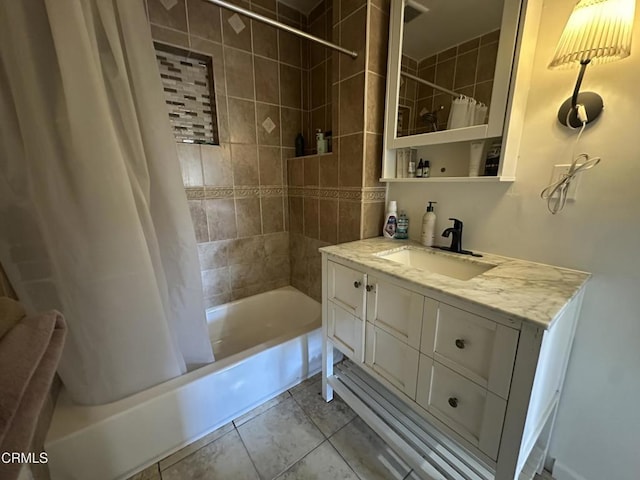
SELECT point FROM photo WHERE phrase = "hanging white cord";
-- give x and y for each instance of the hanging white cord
(556, 193)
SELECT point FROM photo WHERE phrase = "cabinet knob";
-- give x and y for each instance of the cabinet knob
(453, 402)
(357, 284)
(460, 343)
(369, 288)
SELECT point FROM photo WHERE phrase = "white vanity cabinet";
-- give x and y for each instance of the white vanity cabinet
(483, 386)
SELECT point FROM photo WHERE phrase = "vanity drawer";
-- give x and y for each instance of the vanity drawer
(392, 359)
(470, 410)
(345, 331)
(346, 287)
(396, 310)
(480, 349)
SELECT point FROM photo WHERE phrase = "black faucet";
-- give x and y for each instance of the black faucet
(456, 236)
(456, 239)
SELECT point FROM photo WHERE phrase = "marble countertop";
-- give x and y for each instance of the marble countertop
(523, 290)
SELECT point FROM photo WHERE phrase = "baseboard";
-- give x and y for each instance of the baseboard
(562, 472)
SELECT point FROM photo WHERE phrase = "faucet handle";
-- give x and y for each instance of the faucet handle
(457, 223)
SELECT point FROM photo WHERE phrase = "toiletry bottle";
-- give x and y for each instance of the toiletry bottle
(390, 220)
(299, 145)
(321, 145)
(428, 226)
(412, 167)
(426, 169)
(419, 169)
(402, 231)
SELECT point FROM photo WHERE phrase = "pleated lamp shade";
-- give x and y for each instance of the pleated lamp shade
(598, 31)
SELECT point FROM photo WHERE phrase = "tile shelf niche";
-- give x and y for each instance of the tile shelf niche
(501, 178)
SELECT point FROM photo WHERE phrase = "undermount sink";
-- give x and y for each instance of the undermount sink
(434, 262)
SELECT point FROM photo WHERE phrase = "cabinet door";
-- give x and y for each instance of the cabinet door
(395, 310)
(470, 410)
(346, 288)
(478, 348)
(392, 359)
(345, 331)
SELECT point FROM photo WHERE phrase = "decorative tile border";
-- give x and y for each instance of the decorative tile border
(211, 193)
(367, 194)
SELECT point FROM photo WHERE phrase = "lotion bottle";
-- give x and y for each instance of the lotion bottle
(390, 220)
(428, 226)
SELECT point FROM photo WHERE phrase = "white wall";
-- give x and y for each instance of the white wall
(597, 434)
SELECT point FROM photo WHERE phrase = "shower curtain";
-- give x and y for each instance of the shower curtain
(93, 215)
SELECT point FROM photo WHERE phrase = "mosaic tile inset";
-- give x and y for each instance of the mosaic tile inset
(186, 79)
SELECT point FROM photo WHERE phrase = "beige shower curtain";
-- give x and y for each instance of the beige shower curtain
(93, 216)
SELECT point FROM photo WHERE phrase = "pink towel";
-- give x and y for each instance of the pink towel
(29, 356)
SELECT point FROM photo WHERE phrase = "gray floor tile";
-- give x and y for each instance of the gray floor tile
(261, 409)
(279, 437)
(305, 384)
(195, 446)
(329, 417)
(149, 473)
(323, 463)
(367, 454)
(223, 459)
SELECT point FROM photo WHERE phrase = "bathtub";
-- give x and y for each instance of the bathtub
(263, 345)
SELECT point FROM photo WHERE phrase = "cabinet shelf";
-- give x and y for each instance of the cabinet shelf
(450, 180)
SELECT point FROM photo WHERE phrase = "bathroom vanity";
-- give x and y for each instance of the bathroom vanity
(456, 362)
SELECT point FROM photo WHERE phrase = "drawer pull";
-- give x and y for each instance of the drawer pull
(453, 402)
(357, 284)
(369, 288)
(460, 343)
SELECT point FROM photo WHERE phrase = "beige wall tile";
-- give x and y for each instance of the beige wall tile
(276, 244)
(447, 54)
(311, 217)
(268, 4)
(204, 20)
(352, 111)
(295, 214)
(490, 37)
(384, 5)
(291, 125)
(296, 172)
(317, 53)
(290, 86)
(190, 164)
(466, 65)
(245, 250)
(318, 121)
(487, 62)
(277, 267)
(375, 103)
(349, 216)
(267, 80)
(378, 41)
(175, 17)
(210, 302)
(216, 165)
(351, 160)
(265, 39)
(347, 7)
(290, 48)
(243, 276)
(311, 171)
(222, 113)
(271, 172)
(444, 73)
(248, 217)
(172, 37)
(372, 219)
(328, 210)
(239, 71)
(467, 46)
(353, 37)
(373, 160)
(244, 161)
(318, 85)
(483, 92)
(242, 121)
(272, 214)
(240, 40)
(213, 254)
(265, 112)
(215, 281)
(221, 218)
(328, 176)
(199, 220)
(428, 73)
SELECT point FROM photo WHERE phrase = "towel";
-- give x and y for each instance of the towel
(29, 356)
(10, 313)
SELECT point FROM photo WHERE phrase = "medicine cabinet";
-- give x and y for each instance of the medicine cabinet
(472, 57)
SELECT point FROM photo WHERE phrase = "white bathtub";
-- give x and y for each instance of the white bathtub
(263, 345)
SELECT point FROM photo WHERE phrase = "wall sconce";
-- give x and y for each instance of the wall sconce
(598, 31)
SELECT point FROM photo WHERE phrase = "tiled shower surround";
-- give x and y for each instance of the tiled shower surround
(258, 223)
(467, 68)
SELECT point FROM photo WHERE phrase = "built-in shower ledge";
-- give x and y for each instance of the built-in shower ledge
(450, 180)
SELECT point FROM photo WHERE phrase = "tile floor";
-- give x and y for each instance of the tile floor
(295, 436)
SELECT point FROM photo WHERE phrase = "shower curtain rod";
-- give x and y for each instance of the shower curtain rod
(431, 84)
(282, 26)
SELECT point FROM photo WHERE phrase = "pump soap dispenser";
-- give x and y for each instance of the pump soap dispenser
(427, 237)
